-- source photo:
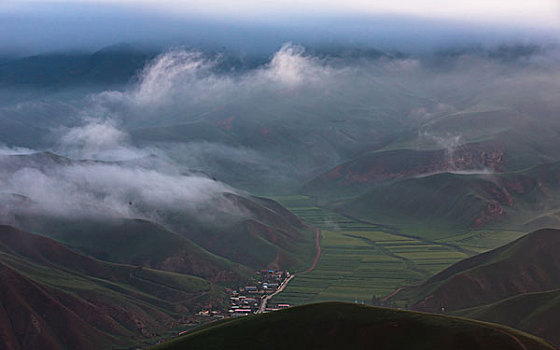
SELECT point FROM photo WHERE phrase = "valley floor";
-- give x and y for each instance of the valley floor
(361, 261)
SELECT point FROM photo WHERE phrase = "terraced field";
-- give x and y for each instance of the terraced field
(484, 240)
(361, 260)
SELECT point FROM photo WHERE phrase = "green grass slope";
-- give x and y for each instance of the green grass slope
(494, 168)
(54, 298)
(529, 264)
(535, 313)
(136, 242)
(351, 326)
(464, 201)
(252, 231)
(266, 235)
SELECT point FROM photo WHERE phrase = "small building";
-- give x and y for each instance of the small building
(241, 312)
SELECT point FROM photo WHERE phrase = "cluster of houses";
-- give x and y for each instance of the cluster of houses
(248, 299)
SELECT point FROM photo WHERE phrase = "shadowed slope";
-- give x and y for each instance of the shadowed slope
(350, 326)
(536, 313)
(54, 298)
(530, 264)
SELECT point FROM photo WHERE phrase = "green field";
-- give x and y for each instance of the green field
(361, 260)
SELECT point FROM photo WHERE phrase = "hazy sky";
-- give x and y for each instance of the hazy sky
(46, 25)
(535, 12)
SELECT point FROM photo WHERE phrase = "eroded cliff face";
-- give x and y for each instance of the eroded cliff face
(380, 167)
(505, 192)
(490, 213)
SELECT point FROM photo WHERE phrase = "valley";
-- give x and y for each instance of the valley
(364, 262)
(358, 260)
(305, 197)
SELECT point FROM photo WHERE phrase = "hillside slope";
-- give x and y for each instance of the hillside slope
(535, 313)
(112, 65)
(267, 235)
(461, 171)
(529, 264)
(54, 298)
(463, 201)
(350, 326)
(193, 238)
(136, 242)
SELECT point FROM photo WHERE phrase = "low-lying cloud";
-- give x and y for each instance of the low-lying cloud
(157, 144)
(97, 174)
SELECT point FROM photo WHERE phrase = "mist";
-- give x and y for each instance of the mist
(187, 131)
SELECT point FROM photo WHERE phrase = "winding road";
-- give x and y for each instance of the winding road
(284, 284)
(268, 297)
(317, 251)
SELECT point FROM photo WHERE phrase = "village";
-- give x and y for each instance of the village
(253, 298)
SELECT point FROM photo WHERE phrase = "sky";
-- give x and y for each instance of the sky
(536, 12)
(544, 12)
(36, 26)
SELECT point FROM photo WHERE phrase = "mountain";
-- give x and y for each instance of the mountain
(464, 201)
(55, 298)
(494, 140)
(286, 137)
(515, 285)
(529, 264)
(136, 242)
(462, 172)
(349, 326)
(536, 313)
(203, 241)
(116, 64)
(267, 235)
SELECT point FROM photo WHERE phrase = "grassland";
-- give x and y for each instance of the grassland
(348, 326)
(361, 260)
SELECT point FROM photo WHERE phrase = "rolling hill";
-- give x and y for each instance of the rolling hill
(55, 298)
(516, 285)
(115, 64)
(462, 201)
(350, 326)
(232, 225)
(460, 172)
(136, 242)
(268, 235)
(536, 313)
(529, 264)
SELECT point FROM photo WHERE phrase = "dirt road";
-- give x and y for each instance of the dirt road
(285, 283)
(317, 251)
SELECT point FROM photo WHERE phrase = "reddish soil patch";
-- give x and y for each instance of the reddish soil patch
(317, 253)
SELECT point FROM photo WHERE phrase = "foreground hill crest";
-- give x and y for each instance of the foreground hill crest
(349, 326)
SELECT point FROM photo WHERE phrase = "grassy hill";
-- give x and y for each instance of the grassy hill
(516, 285)
(494, 168)
(55, 298)
(536, 313)
(282, 141)
(463, 202)
(136, 242)
(235, 226)
(529, 264)
(351, 326)
(267, 236)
